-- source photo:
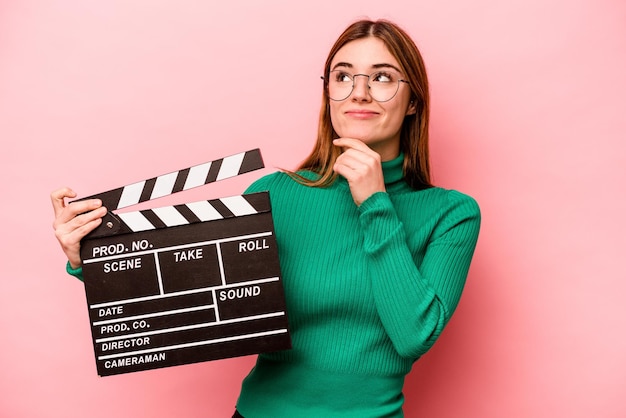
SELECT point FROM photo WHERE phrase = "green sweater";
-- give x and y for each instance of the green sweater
(369, 290)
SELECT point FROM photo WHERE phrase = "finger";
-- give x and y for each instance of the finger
(357, 166)
(84, 218)
(352, 143)
(77, 214)
(353, 169)
(357, 159)
(349, 142)
(70, 240)
(70, 234)
(355, 145)
(58, 199)
(77, 208)
(79, 233)
(348, 161)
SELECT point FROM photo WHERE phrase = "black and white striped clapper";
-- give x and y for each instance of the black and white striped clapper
(187, 283)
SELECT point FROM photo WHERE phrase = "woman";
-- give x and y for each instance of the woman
(373, 257)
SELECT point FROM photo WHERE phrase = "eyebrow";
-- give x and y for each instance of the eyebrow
(375, 66)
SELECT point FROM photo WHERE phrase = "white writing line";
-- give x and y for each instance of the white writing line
(158, 272)
(189, 327)
(182, 293)
(217, 311)
(196, 344)
(220, 263)
(175, 247)
(153, 315)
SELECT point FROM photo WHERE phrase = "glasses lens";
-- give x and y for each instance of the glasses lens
(339, 85)
(383, 85)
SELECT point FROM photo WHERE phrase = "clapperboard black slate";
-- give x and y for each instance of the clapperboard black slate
(187, 283)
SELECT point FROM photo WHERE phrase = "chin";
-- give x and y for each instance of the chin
(360, 134)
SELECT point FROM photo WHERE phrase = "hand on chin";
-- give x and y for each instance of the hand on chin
(361, 167)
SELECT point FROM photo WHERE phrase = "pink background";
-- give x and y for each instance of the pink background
(528, 117)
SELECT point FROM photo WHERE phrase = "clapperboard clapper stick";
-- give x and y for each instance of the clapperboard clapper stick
(186, 283)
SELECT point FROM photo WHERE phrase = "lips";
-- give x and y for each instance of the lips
(361, 113)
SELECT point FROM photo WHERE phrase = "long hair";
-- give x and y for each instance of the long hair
(414, 133)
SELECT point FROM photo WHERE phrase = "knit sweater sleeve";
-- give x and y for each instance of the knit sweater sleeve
(76, 272)
(416, 296)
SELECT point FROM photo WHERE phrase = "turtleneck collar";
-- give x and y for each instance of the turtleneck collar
(392, 170)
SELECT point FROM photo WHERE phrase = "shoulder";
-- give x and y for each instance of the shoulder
(462, 201)
(439, 207)
(439, 199)
(267, 182)
(445, 199)
(456, 209)
(281, 182)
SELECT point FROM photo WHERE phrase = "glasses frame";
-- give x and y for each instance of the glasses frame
(353, 77)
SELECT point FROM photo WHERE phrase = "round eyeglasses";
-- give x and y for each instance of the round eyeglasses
(382, 85)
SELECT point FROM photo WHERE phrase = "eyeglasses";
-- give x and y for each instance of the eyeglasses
(383, 85)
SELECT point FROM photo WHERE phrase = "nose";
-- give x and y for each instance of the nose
(361, 89)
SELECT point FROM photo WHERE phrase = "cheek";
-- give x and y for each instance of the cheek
(396, 117)
(396, 114)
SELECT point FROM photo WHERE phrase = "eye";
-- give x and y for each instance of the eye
(342, 77)
(383, 77)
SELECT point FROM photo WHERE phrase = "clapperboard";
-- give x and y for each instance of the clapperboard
(186, 283)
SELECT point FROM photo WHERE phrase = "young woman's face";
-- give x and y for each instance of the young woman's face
(359, 116)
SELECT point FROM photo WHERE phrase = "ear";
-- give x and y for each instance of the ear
(412, 109)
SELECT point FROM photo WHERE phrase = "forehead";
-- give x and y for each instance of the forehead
(365, 53)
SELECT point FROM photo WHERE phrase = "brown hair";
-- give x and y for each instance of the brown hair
(414, 133)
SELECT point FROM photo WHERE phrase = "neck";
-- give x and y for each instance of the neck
(386, 151)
